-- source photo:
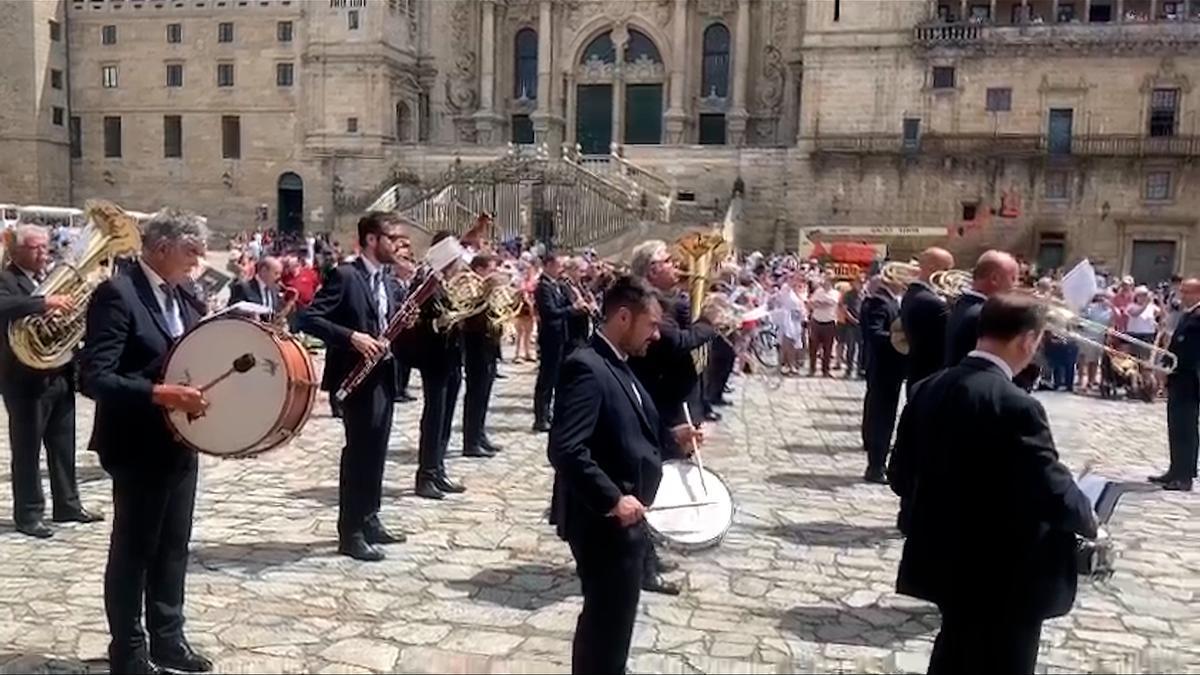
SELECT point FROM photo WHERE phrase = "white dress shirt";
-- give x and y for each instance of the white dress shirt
(375, 272)
(624, 359)
(988, 356)
(265, 294)
(168, 305)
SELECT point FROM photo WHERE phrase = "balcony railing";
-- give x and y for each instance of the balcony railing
(1077, 34)
(1008, 145)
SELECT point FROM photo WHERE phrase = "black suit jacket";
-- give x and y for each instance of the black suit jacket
(342, 306)
(1185, 345)
(989, 512)
(124, 353)
(603, 443)
(16, 302)
(962, 327)
(553, 308)
(923, 315)
(248, 291)
(668, 370)
(879, 310)
(432, 351)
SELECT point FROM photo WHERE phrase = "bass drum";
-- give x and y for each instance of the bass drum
(260, 385)
(690, 528)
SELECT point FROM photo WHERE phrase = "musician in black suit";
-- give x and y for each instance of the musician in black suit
(1183, 393)
(404, 271)
(437, 353)
(989, 513)
(350, 314)
(133, 320)
(885, 375)
(40, 403)
(553, 308)
(606, 446)
(995, 272)
(579, 324)
(263, 287)
(481, 351)
(923, 315)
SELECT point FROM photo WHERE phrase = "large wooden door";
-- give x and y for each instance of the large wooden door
(593, 118)
(643, 114)
(1153, 261)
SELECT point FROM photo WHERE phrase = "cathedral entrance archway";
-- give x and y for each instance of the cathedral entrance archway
(620, 78)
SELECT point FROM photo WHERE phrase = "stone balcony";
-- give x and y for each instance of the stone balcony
(1162, 37)
(1007, 145)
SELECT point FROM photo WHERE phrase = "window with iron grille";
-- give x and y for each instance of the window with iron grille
(714, 69)
(1164, 111)
(225, 31)
(174, 33)
(1158, 185)
(943, 77)
(525, 66)
(284, 74)
(112, 137)
(1057, 185)
(224, 74)
(522, 130)
(108, 35)
(352, 19)
(174, 74)
(56, 79)
(172, 136)
(108, 77)
(352, 125)
(999, 99)
(283, 31)
(231, 137)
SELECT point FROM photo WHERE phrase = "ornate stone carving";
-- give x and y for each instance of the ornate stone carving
(1167, 77)
(596, 70)
(580, 11)
(523, 13)
(460, 84)
(770, 82)
(713, 103)
(644, 68)
(716, 8)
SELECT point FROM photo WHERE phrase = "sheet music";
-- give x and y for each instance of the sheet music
(244, 307)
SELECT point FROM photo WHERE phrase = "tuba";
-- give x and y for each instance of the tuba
(47, 341)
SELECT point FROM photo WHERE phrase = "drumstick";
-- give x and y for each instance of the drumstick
(241, 364)
(671, 507)
(687, 416)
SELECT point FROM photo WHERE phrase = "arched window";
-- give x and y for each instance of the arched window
(601, 49)
(403, 123)
(640, 47)
(525, 55)
(714, 79)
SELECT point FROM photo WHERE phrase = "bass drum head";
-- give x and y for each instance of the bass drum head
(690, 528)
(243, 408)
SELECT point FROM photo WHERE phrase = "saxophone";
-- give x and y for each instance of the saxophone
(48, 341)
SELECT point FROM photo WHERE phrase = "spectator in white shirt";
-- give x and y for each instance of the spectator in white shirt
(823, 306)
(1143, 316)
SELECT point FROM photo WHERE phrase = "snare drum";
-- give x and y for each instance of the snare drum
(248, 412)
(696, 527)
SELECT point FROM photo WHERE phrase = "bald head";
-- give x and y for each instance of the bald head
(1189, 292)
(934, 259)
(995, 272)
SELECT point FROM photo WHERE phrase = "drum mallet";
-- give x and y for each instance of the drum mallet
(687, 416)
(241, 364)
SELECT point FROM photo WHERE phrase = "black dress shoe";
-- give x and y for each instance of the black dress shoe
(448, 486)
(80, 516)
(36, 529)
(476, 451)
(875, 476)
(356, 547)
(541, 427)
(657, 584)
(1161, 479)
(405, 398)
(180, 656)
(1178, 485)
(427, 489)
(490, 446)
(501, 376)
(663, 566)
(138, 665)
(721, 402)
(378, 534)
(712, 416)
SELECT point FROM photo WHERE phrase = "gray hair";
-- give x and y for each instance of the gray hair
(644, 255)
(27, 231)
(174, 227)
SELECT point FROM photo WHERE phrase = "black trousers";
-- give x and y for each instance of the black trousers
(147, 557)
(609, 561)
(479, 366)
(879, 416)
(976, 642)
(403, 376)
(1183, 418)
(44, 416)
(721, 357)
(551, 351)
(367, 419)
(440, 383)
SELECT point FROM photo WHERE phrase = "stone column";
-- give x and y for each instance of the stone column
(676, 117)
(992, 13)
(620, 36)
(1053, 18)
(1154, 10)
(962, 8)
(1087, 11)
(543, 118)
(486, 119)
(1120, 11)
(1024, 11)
(738, 115)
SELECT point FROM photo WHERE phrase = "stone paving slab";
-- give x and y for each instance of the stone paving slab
(803, 581)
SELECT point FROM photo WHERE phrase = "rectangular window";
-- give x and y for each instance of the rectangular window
(55, 31)
(969, 211)
(999, 99)
(56, 115)
(174, 74)
(172, 136)
(112, 136)
(352, 19)
(1158, 185)
(56, 79)
(174, 33)
(943, 77)
(284, 74)
(1066, 12)
(837, 10)
(283, 31)
(522, 129)
(231, 137)
(1164, 111)
(912, 134)
(1057, 185)
(76, 130)
(108, 35)
(224, 74)
(423, 116)
(712, 129)
(225, 31)
(352, 125)
(108, 77)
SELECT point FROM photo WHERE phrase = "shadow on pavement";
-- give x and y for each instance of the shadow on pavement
(512, 408)
(42, 663)
(826, 410)
(328, 494)
(837, 426)
(529, 586)
(83, 474)
(870, 626)
(821, 449)
(509, 428)
(814, 481)
(257, 557)
(828, 533)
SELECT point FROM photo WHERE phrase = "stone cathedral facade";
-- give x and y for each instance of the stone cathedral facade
(1056, 128)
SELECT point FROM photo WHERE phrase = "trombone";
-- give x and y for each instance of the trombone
(1065, 324)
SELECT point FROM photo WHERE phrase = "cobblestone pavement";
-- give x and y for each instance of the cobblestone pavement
(803, 581)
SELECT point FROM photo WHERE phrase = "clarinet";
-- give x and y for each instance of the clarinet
(400, 321)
